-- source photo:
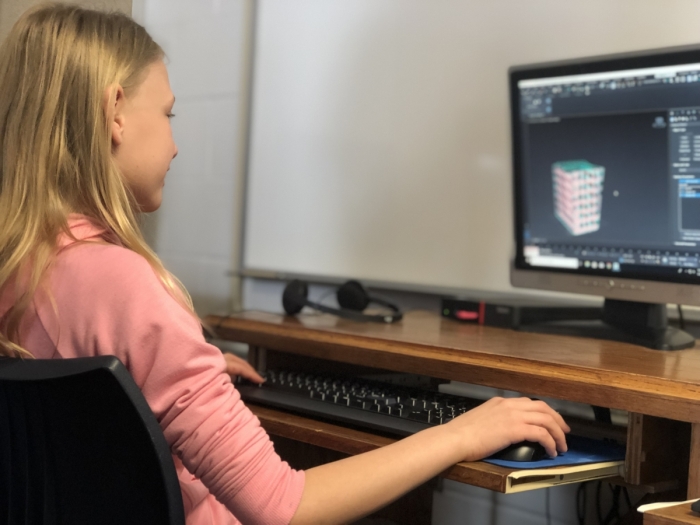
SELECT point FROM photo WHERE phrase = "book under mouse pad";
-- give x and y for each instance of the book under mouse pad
(581, 451)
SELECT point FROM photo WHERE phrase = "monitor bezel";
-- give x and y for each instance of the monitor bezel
(674, 289)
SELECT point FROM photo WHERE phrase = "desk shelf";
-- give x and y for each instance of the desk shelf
(660, 390)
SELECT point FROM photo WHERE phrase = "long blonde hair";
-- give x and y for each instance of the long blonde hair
(56, 65)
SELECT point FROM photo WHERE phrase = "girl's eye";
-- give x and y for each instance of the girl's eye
(171, 115)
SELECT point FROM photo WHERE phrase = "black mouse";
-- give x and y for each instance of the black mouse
(523, 451)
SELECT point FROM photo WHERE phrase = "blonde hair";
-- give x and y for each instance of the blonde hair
(56, 65)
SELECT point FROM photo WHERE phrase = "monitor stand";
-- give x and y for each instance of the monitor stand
(642, 324)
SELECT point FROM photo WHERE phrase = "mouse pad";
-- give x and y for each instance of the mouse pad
(581, 451)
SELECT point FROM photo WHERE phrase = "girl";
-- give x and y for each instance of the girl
(85, 144)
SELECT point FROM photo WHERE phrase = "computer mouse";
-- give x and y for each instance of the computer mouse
(523, 451)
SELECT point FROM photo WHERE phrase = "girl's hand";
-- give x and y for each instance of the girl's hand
(235, 366)
(500, 422)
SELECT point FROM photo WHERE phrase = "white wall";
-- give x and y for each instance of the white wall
(193, 230)
(380, 138)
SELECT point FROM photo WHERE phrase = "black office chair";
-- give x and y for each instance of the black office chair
(80, 445)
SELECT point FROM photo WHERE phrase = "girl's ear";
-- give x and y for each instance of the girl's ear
(113, 104)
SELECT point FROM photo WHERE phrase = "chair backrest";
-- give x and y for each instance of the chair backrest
(80, 445)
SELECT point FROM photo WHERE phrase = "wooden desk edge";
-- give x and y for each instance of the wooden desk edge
(534, 378)
(676, 515)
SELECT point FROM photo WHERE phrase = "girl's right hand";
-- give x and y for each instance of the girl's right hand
(500, 422)
(235, 367)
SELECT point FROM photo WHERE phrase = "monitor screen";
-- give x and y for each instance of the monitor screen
(606, 156)
(606, 171)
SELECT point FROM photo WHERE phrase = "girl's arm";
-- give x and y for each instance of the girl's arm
(346, 490)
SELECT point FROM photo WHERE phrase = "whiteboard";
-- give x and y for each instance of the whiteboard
(380, 136)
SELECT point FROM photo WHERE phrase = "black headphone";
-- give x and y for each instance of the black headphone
(352, 299)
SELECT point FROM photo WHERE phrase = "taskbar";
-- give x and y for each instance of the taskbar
(649, 272)
(573, 258)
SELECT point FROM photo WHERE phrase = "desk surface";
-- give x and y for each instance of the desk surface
(676, 515)
(598, 372)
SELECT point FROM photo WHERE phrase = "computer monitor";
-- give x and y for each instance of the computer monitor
(606, 164)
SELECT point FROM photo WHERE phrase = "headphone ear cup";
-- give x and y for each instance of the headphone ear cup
(352, 296)
(294, 296)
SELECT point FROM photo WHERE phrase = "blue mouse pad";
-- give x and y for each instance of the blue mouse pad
(581, 451)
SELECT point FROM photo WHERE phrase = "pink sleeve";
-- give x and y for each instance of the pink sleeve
(111, 302)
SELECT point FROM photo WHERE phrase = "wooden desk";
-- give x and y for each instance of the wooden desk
(677, 515)
(661, 390)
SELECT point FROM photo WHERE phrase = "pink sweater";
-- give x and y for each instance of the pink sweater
(109, 301)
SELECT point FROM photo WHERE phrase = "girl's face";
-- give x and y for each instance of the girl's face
(142, 140)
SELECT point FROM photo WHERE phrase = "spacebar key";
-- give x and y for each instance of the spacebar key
(420, 415)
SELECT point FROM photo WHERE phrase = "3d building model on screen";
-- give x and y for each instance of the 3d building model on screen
(578, 195)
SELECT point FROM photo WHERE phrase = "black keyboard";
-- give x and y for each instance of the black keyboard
(359, 402)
